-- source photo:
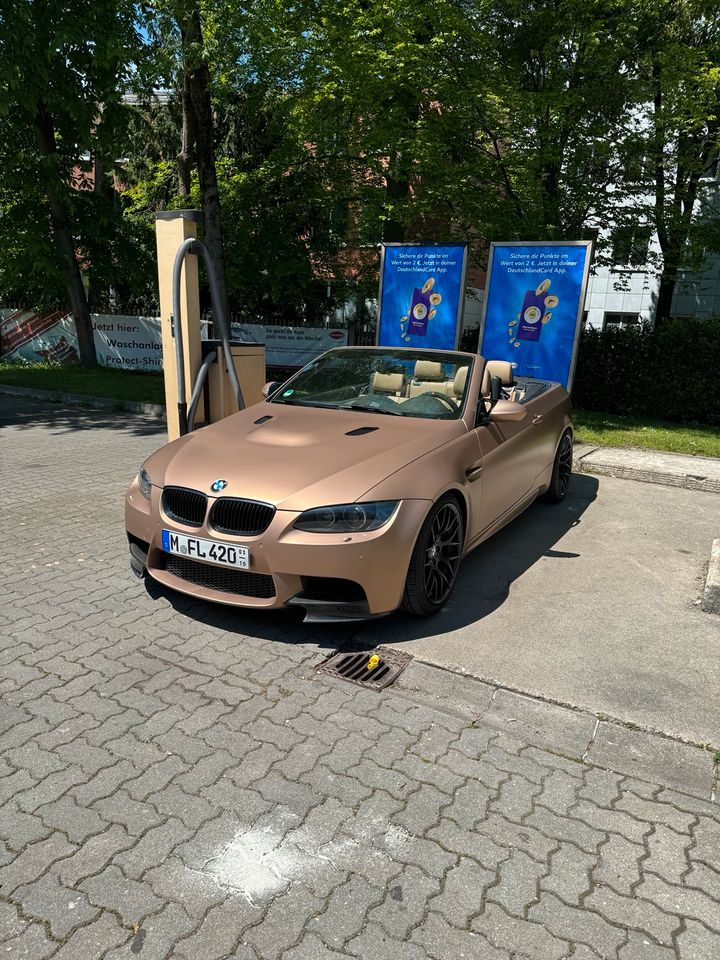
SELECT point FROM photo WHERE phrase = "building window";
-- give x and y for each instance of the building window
(620, 321)
(630, 245)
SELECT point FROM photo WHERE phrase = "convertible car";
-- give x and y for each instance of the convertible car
(355, 488)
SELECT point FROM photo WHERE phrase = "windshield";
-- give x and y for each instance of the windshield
(403, 383)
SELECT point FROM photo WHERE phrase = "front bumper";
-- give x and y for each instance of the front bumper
(377, 561)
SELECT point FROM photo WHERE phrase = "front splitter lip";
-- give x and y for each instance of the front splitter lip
(326, 611)
(316, 611)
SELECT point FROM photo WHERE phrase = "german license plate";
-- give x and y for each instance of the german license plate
(209, 551)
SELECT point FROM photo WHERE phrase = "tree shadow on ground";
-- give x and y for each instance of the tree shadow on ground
(26, 413)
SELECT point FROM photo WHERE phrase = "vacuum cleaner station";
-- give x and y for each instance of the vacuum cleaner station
(205, 380)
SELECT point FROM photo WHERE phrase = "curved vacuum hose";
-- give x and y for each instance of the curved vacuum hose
(208, 361)
(196, 247)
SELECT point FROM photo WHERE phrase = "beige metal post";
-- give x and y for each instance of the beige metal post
(171, 228)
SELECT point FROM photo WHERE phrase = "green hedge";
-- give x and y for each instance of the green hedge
(672, 373)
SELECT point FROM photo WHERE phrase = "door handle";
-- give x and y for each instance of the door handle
(473, 473)
(538, 418)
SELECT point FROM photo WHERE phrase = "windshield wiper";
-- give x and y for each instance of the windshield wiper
(366, 408)
(292, 403)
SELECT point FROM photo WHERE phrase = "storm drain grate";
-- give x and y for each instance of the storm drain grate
(376, 669)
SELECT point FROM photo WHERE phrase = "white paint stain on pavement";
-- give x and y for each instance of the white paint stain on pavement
(260, 863)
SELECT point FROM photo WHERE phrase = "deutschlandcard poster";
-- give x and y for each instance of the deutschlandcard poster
(534, 301)
(422, 295)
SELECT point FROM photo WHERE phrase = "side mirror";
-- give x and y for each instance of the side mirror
(495, 390)
(270, 387)
(506, 411)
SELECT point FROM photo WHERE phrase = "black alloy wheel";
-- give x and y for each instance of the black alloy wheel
(562, 470)
(435, 559)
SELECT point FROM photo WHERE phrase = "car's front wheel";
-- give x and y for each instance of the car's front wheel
(435, 559)
(562, 469)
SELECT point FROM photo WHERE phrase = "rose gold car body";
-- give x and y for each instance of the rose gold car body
(297, 458)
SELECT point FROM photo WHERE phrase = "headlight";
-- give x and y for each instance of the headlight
(347, 517)
(144, 483)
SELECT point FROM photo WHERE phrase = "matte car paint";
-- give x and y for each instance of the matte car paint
(303, 458)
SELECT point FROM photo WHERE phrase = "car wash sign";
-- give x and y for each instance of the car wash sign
(123, 342)
(422, 295)
(534, 302)
(135, 343)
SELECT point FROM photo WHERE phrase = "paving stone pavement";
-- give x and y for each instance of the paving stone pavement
(176, 779)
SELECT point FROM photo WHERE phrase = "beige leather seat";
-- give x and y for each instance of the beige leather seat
(497, 368)
(459, 383)
(389, 384)
(429, 377)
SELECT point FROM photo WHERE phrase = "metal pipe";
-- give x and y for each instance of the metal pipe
(221, 320)
(182, 252)
(196, 247)
(197, 390)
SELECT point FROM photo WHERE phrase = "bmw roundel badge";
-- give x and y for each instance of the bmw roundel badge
(218, 485)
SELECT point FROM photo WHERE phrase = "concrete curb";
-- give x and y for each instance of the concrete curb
(80, 400)
(579, 736)
(711, 594)
(602, 461)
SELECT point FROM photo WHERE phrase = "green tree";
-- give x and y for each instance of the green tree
(63, 70)
(182, 32)
(680, 63)
(486, 119)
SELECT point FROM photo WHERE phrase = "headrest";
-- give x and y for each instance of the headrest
(429, 370)
(387, 382)
(460, 381)
(502, 369)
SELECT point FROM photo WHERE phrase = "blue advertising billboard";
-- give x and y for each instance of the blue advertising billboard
(534, 300)
(422, 295)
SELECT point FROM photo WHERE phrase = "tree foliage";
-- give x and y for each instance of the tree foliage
(63, 71)
(329, 125)
(680, 66)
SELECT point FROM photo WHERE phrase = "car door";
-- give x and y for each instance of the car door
(509, 462)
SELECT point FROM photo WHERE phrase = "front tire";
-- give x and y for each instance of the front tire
(435, 559)
(562, 470)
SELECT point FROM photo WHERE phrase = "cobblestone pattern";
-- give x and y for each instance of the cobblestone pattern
(177, 781)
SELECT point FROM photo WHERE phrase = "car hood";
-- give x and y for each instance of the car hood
(301, 457)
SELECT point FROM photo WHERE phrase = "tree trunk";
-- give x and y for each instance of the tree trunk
(183, 159)
(668, 280)
(203, 135)
(396, 189)
(63, 239)
(400, 169)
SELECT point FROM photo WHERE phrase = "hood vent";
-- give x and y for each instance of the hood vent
(360, 431)
(264, 419)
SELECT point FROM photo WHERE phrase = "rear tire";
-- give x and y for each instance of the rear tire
(562, 470)
(435, 559)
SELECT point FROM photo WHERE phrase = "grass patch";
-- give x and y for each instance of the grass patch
(121, 385)
(611, 430)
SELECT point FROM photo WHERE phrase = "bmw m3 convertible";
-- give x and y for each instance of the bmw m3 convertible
(355, 488)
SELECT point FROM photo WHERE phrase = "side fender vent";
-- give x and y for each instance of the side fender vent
(360, 431)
